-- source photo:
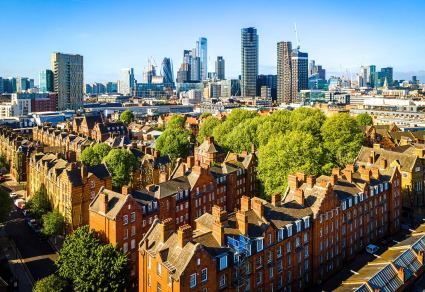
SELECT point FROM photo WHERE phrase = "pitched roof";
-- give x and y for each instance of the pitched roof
(406, 161)
(116, 201)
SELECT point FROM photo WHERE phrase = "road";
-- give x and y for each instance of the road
(36, 253)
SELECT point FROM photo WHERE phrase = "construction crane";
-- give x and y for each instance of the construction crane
(296, 36)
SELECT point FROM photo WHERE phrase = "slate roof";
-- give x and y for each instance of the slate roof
(116, 201)
(405, 160)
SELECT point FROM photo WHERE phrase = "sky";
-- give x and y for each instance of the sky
(115, 34)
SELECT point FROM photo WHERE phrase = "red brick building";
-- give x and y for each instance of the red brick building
(45, 104)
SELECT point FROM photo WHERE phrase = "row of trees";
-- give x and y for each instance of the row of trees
(289, 141)
(86, 264)
(120, 162)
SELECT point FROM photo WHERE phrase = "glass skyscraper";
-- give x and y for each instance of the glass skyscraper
(220, 68)
(126, 83)
(249, 61)
(46, 81)
(167, 72)
(202, 53)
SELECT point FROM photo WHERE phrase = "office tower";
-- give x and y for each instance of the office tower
(269, 81)
(284, 72)
(1, 86)
(363, 76)
(126, 83)
(299, 64)
(249, 61)
(167, 72)
(46, 81)
(219, 68)
(312, 68)
(149, 73)
(30, 83)
(414, 80)
(202, 53)
(386, 73)
(321, 72)
(22, 84)
(111, 87)
(88, 89)
(195, 68)
(68, 80)
(183, 74)
(372, 76)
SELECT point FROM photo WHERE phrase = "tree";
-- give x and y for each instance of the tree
(127, 116)
(205, 115)
(52, 283)
(364, 119)
(5, 204)
(244, 135)
(121, 163)
(39, 204)
(94, 155)
(90, 265)
(286, 154)
(176, 122)
(174, 142)
(307, 120)
(273, 125)
(53, 224)
(207, 127)
(342, 139)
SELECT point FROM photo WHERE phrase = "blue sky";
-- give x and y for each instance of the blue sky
(111, 35)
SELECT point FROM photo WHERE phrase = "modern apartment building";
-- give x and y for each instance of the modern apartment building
(284, 72)
(249, 61)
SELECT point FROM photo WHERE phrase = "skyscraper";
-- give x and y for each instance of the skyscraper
(299, 64)
(167, 72)
(46, 81)
(195, 68)
(284, 72)
(202, 53)
(386, 73)
(126, 82)
(1, 85)
(68, 80)
(372, 76)
(249, 61)
(220, 68)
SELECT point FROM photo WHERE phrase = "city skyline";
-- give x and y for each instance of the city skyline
(339, 38)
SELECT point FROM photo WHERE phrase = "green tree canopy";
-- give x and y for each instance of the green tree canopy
(127, 116)
(39, 203)
(273, 125)
(342, 139)
(90, 265)
(307, 120)
(364, 119)
(244, 135)
(5, 204)
(205, 115)
(286, 154)
(176, 122)
(94, 155)
(174, 142)
(52, 283)
(53, 223)
(121, 163)
(207, 127)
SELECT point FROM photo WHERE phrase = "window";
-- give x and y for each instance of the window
(133, 230)
(306, 222)
(289, 228)
(133, 244)
(204, 275)
(259, 245)
(280, 235)
(288, 246)
(125, 219)
(279, 251)
(269, 257)
(259, 278)
(125, 233)
(270, 239)
(149, 262)
(158, 269)
(193, 280)
(125, 247)
(298, 225)
(259, 262)
(271, 273)
(158, 287)
(223, 262)
(222, 281)
(305, 237)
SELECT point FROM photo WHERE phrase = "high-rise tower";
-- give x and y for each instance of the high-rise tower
(68, 80)
(284, 72)
(249, 61)
(126, 83)
(167, 72)
(220, 68)
(202, 53)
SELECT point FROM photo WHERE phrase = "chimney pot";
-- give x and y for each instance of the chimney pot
(184, 235)
(245, 203)
(276, 198)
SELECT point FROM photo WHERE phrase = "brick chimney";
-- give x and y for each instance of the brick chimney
(163, 176)
(210, 139)
(301, 177)
(245, 203)
(84, 172)
(335, 171)
(242, 219)
(257, 206)
(220, 221)
(126, 190)
(311, 181)
(299, 196)
(350, 167)
(377, 146)
(184, 235)
(292, 181)
(333, 178)
(276, 198)
(383, 163)
(365, 174)
(197, 169)
(375, 173)
(348, 175)
(166, 229)
(103, 202)
(190, 162)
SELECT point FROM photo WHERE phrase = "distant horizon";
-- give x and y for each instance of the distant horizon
(124, 34)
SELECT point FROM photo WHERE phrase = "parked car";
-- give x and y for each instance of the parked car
(372, 249)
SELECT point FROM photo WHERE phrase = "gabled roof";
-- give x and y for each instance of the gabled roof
(116, 201)
(406, 161)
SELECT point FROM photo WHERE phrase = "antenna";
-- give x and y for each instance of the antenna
(296, 36)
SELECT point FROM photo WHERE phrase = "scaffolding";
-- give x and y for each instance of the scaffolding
(241, 248)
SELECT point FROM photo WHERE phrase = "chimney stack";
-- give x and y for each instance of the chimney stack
(242, 220)
(334, 179)
(383, 163)
(220, 221)
(311, 181)
(126, 190)
(375, 173)
(190, 162)
(167, 228)
(335, 171)
(299, 196)
(348, 175)
(365, 174)
(245, 203)
(163, 176)
(276, 198)
(301, 177)
(84, 172)
(104, 200)
(292, 181)
(184, 235)
(257, 206)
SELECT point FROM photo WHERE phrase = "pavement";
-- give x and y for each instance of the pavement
(30, 257)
